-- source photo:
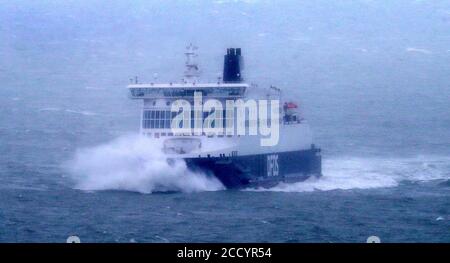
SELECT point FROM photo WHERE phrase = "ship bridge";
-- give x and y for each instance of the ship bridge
(158, 97)
(217, 90)
(231, 85)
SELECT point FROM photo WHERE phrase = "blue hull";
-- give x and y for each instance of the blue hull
(262, 170)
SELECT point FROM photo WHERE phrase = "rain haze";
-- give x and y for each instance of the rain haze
(372, 77)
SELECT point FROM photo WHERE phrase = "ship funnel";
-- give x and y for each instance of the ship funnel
(232, 65)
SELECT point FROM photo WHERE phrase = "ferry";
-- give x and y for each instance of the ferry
(238, 160)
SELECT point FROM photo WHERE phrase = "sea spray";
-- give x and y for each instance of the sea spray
(135, 163)
(346, 173)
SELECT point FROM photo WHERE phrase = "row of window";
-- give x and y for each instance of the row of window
(166, 114)
(162, 119)
(139, 92)
(169, 134)
(156, 124)
(159, 114)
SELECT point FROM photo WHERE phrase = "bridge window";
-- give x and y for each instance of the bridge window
(162, 119)
(157, 119)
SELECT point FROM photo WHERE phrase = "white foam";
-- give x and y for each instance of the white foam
(366, 173)
(50, 109)
(418, 50)
(86, 113)
(245, 14)
(134, 163)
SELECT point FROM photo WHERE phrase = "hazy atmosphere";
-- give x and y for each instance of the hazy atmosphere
(373, 78)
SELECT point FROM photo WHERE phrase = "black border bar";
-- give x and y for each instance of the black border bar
(277, 251)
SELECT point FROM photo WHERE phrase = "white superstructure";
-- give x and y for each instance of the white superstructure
(157, 116)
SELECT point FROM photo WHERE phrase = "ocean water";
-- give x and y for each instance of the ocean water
(377, 97)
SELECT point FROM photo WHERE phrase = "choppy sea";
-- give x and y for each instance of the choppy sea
(76, 166)
(370, 76)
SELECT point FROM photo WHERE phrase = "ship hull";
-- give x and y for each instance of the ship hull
(260, 170)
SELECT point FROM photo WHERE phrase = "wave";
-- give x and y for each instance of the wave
(419, 50)
(50, 109)
(86, 113)
(134, 163)
(367, 173)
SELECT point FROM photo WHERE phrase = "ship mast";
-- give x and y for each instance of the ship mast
(192, 72)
